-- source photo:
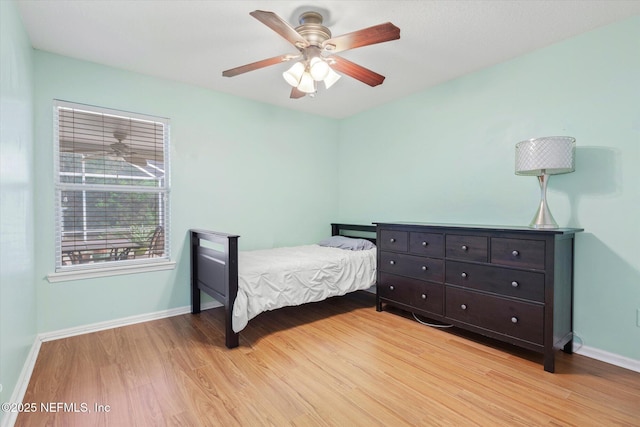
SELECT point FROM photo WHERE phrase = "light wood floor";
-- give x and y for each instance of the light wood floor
(335, 363)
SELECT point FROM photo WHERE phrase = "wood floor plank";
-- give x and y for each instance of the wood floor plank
(333, 363)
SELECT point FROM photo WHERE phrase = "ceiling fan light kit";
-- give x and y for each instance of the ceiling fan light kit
(318, 52)
(303, 75)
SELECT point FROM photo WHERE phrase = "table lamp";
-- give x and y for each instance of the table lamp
(542, 157)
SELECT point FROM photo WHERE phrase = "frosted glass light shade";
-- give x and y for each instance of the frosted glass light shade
(550, 155)
(294, 74)
(307, 85)
(318, 69)
(331, 78)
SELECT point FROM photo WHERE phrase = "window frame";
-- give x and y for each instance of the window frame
(119, 266)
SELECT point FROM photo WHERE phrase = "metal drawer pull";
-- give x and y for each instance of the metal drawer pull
(464, 274)
(392, 262)
(424, 268)
(392, 240)
(515, 284)
(465, 247)
(514, 319)
(391, 287)
(424, 243)
(515, 253)
(463, 306)
(424, 296)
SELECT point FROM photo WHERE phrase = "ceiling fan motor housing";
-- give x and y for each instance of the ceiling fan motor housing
(311, 28)
(119, 135)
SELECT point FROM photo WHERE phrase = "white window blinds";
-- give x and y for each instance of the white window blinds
(112, 187)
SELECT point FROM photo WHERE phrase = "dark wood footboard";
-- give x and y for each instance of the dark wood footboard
(214, 268)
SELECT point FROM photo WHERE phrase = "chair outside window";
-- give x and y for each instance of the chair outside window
(156, 244)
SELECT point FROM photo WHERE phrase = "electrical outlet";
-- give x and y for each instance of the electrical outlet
(638, 317)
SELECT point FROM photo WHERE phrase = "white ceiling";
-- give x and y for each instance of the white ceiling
(193, 41)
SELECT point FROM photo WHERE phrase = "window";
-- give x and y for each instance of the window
(112, 188)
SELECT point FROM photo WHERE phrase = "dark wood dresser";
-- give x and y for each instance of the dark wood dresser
(514, 284)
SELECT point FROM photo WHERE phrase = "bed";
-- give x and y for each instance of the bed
(248, 283)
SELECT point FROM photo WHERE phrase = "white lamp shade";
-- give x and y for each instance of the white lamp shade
(294, 74)
(307, 85)
(551, 155)
(318, 69)
(331, 78)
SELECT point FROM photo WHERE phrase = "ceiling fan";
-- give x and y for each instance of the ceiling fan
(120, 151)
(317, 52)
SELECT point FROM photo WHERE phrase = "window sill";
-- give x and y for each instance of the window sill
(64, 276)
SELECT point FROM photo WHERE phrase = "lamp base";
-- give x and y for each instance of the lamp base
(543, 218)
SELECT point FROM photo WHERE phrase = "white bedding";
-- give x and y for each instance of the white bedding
(273, 278)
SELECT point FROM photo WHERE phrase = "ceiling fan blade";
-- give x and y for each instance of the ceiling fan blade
(258, 64)
(281, 27)
(356, 71)
(135, 160)
(296, 93)
(372, 35)
(88, 150)
(96, 155)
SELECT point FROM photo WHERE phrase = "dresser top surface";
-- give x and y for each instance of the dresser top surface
(510, 228)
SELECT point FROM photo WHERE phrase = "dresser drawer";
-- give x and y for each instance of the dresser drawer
(412, 266)
(467, 248)
(392, 240)
(517, 319)
(504, 281)
(426, 244)
(518, 252)
(423, 296)
(396, 288)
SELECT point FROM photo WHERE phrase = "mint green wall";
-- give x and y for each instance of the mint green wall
(17, 286)
(447, 155)
(237, 166)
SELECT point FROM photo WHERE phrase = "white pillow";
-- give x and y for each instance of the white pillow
(350, 243)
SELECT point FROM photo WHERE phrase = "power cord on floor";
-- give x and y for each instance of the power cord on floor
(433, 325)
(577, 346)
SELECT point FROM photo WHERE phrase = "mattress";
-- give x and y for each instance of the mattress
(273, 278)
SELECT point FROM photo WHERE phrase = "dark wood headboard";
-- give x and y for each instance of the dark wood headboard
(354, 230)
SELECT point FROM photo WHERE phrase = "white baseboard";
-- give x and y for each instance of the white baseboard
(605, 356)
(20, 389)
(117, 323)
